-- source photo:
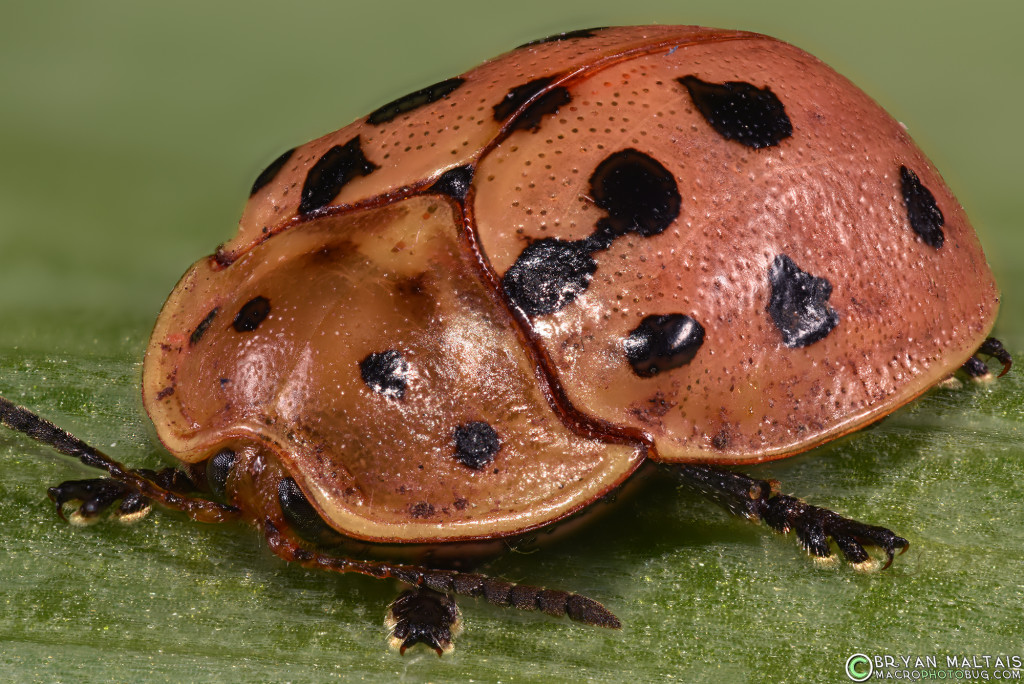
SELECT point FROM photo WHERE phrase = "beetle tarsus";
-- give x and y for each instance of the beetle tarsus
(977, 369)
(96, 496)
(814, 526)
(423, 616)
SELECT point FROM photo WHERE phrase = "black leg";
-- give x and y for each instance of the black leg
(99, 494)
(96, 496)
(977, 369)
(426, 614)
(423, 616)
(134, 488)
(814, 526)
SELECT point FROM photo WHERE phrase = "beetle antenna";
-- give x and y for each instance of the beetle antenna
(21, 419)
(497, 591)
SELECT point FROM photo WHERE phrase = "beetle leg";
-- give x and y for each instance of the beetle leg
(423, 616)
(135, 488)
(978, 369)
(99, 494)
(96, 496)
(282, 511)
(814, 526)
(497, 591)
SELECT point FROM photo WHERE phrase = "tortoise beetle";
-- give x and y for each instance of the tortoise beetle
(481, 308)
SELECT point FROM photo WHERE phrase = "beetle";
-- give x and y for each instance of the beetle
(479, 309)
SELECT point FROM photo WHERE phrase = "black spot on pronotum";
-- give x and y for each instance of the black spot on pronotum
(568, 35)
(385, 373)
(799, 303)
(476, 443)
(408, 103)
(454, 182)
(301, 515)
(272, 170)
(251, 314)
(924, 214)
(661, 343)
(333, 170)
(421, 510)
(740, 111)
(548, 103)
(217, 470)
(203, 326)
(639, 194)
(548, 275)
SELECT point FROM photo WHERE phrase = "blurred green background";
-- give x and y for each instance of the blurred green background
(130, 133)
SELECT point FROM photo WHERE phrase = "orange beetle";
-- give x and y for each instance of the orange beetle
(479, 309)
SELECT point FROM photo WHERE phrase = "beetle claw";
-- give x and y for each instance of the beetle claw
(97, 495)
(978, 370)
(423, 616)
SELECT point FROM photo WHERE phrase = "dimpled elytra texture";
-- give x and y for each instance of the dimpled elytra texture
(479, 308)
(828, 197)
(361, 306)
(452, 131)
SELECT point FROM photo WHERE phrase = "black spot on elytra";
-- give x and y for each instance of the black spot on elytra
(203, 326)
(568, 35)
(740, 111)
(385, 373)
(301, 515)
(639, 195)
(251, 314)
(454, 182)
(518, 96)
(548, 275)
(333, 170)
(548, 103)
(272, 170)
(407, 103)
(924, 214)
(799, 303)
(661, 343)
(476, 443)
